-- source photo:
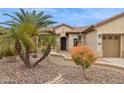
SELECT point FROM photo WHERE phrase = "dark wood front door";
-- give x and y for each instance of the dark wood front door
(63, 43)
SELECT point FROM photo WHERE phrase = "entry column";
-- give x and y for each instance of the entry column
(122, 46)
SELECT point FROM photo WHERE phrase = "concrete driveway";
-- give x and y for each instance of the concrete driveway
(114, 61)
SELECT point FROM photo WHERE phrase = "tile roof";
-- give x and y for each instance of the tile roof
(63, 25)
(80, 29)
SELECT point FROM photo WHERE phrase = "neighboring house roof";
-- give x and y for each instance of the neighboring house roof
(63, 25)
(81, 29)
(109, 19)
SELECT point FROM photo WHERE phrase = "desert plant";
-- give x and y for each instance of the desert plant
(19, 34)
(83, 56)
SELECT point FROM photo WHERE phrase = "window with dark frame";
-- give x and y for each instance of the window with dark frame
(110, 37)
(116, 37)
(103, 37)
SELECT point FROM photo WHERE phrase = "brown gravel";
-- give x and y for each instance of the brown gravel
(98, 74)
(16, 73)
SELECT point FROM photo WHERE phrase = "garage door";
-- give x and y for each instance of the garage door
(111, 45)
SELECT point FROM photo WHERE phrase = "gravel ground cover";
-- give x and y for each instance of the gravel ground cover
(99, 75)
(16, 73)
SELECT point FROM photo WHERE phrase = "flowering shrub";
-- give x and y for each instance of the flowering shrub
(83, 56)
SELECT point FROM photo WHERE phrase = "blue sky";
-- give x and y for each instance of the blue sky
(71, 16)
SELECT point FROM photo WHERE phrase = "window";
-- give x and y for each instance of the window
(116, 37)
(110, 37)
(103, 37)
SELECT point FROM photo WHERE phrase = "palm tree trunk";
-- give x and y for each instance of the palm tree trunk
(1, 56)
(45, 54)
(27, 57)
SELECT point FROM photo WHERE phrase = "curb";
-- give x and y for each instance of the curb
(110, 65)
(96, 63)
(56, 80)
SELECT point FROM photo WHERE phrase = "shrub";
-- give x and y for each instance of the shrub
(83, 56)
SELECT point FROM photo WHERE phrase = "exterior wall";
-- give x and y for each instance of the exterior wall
(122, 46)
(71, 44)
(67, 43)
(62, 29)
(99, 45)
(71, 40)
(113, 27)
(58, 42)
(83, 39)
(91, 40)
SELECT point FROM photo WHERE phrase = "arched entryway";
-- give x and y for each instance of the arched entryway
(63, 43)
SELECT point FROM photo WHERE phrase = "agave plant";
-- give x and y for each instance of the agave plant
(18, 36)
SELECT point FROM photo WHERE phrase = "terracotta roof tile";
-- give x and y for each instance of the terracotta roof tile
(63, 25)
(80, 29)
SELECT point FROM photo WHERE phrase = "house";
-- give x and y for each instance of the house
(106, 37)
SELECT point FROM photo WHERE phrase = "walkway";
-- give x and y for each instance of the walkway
(63, 58)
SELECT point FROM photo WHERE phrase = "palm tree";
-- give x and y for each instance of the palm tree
(18, 37)
(48, 42)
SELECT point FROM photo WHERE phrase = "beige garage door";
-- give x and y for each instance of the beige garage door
(111, 45)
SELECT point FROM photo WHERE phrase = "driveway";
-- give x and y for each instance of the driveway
(114, 61)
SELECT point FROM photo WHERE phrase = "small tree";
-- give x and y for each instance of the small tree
(83, 56)
(19, 33)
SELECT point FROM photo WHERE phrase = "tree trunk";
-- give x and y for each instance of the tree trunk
(27, 58)
(1, 56)
(45, 54)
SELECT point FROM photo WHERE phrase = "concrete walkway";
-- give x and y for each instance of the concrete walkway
(61, 58)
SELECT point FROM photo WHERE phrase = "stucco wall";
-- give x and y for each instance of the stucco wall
(122, 45)
(62, 29)
(115, 26)
(71, 40)
(91, 40)
(67, 43)
(70, 43)
(82, 40)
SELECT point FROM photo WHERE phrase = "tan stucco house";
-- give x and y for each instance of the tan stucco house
(106, 37)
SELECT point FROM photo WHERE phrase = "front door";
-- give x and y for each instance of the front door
(63, 43)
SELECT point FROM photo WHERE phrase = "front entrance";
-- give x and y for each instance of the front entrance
(111, 45)
(63, 43)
